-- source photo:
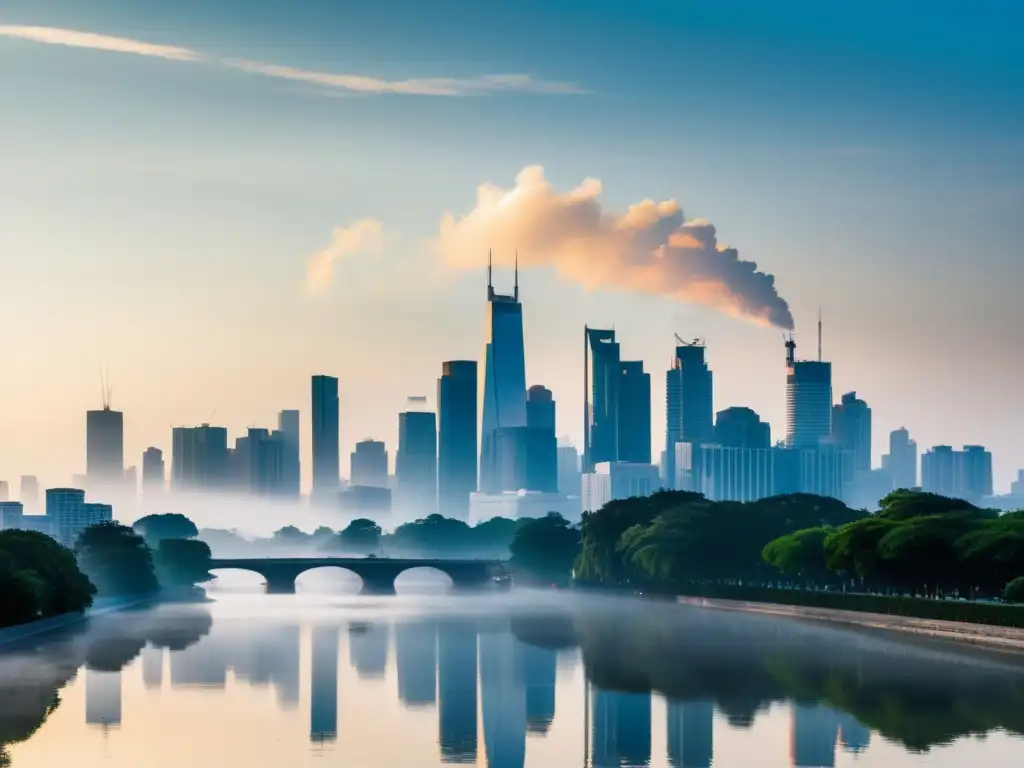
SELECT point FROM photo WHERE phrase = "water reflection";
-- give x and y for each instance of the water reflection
(466, 684)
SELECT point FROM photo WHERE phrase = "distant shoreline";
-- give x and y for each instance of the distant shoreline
(979, 635)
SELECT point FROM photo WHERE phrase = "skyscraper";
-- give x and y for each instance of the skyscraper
(326, 455)
(689, 402)
(199, 457)
(456, 438)
(104, 446)
(901, 461)
(457, 691)
(542, 445)
(808, 400)
(288, 427)
(259, 463)
(568, 470)
(153, 470)
(851, 428)
(603, 374)
(741, 428)
(634, 414)
(28, 493)
(369, 464)
(965, 474)
(503, 389)
(416, 462)
(5, 491)
(323, 694)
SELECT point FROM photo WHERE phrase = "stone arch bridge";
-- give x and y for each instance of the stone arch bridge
(378, 574)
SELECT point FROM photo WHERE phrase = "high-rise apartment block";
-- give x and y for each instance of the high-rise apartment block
(416, 461)
(199, 458)
(153, 470)
(369, 465)
(288, 422)
(901, 461)
(851, 430)
(965, 474)
(689, 402)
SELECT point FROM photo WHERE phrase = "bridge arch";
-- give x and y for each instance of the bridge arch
(329, 578)
(239, 579)
(424, 579)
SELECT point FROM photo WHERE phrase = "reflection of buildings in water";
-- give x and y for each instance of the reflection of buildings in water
(152, 667)
(503, 700)
(103, 698)
(258, 656)
(539, 670)
(690, 734)
(456, 692)
(368, 648)
(323, 697)
(853, 736)
(813, 734)
(621, 729)
(416, 659)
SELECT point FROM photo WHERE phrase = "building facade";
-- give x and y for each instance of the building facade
(689, 402)
(369, 464)
(288, 424)
(154, 473)
(965, 474)
(456, 437)
(851, 430)
(104, 447)
(742, 428)
(901, 461)
(199, 458)
(808, 401)
(611, 481)
(326, 453)
(542, 444)
(416, 463)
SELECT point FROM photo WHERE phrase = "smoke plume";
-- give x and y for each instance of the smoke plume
(363, 236)
(650, 249)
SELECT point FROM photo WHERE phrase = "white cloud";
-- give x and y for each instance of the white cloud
(70, 37)
(363, 236)
(417, 86)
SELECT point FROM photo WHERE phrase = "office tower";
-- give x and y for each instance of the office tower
(11, 515)
(690, 734)
(814, 731)
(416, 660)
(259, 463)
(326, 455)
(808, 400)
(199, 458)
(153, 471)
(102, 698)
(288, 425)
(851, 430)
(104, 446)
(603, 375)
(323, 694)
(503, 389)
(5, 491)
(634, 428)
(416, 462)
(568, 470)
(621, 728)
(69, 514)
(689, 402)
(542, 445)
(512, 458)
(456, 437)
(457, 692)
(1017, 486)
(824, 471)
(28, 493)
(965, 474)
(741, 428)
(901, 461)
(724, 473)
(612, 480)
(369, 464)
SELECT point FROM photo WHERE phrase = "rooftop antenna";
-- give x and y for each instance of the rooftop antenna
(105, 390)
(819, 333)
(490, 284)
(516, 293)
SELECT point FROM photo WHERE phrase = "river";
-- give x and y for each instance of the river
(517, 679)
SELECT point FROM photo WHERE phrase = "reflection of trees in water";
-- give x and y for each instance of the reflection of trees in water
(919, 695)
(32, 675)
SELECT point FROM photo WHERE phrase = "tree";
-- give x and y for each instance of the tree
(921, 551)
(495, 536)
(361, 535)
(1014, 591)
(852, 549)
(116, 560)
(21, 593)
(904, 504)
(63, 588)
(432, 535)
(545, 548)
(801, 553)
(156, 528)
(993, 554)
(183, 562)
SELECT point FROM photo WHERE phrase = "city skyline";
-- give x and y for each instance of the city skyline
(173, 234)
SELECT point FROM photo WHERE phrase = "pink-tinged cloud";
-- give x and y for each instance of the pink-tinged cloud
(363, 236)
(649, 249)
(75, 39)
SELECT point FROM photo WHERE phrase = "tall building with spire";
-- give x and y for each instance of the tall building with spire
(502, 378)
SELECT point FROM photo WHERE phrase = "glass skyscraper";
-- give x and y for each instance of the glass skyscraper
(503, 379)
(325, 436)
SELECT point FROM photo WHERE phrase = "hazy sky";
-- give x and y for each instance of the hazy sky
(170, 171)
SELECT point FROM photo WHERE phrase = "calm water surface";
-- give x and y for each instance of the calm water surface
(513, 680)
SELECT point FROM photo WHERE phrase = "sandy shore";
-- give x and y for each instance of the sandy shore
(1005, 638)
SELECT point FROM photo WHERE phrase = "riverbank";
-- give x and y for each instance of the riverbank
(1002, 638)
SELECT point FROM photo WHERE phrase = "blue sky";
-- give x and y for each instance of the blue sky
(157, 215)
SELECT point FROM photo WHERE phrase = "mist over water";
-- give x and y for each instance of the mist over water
(518, 679)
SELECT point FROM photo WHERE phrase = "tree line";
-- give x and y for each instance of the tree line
(40, 578)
